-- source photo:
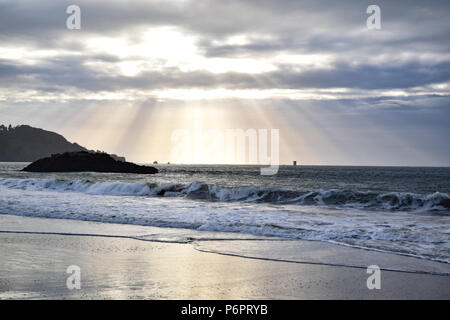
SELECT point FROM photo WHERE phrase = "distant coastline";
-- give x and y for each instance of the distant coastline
(24, 143)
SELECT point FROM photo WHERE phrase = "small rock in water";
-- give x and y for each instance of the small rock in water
(86, 161)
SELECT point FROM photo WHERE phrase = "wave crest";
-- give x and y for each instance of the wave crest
(201, 191)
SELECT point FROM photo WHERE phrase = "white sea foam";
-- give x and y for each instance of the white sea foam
(248, 210)
(202, 191)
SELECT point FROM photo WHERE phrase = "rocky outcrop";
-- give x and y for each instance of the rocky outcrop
(86, 161)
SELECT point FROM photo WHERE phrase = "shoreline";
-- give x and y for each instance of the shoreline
(116, 263)
(230, 234)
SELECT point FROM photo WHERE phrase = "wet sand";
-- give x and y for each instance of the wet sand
(134, 262)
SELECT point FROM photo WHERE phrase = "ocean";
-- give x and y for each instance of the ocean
(403, 210)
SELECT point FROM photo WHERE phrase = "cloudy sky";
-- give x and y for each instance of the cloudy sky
(137, 71)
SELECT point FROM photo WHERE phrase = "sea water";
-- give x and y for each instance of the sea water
(403, 210)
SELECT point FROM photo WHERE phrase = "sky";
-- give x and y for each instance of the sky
(137, 72)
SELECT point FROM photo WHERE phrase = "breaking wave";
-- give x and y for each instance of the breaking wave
(208, 192)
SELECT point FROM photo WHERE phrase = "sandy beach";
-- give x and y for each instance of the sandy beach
(134, 262)
(227, 150)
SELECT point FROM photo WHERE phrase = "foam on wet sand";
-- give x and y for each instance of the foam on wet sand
(137, 262)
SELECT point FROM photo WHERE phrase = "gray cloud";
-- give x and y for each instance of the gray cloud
(411, 50)
(71, 71)
(325, 27)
